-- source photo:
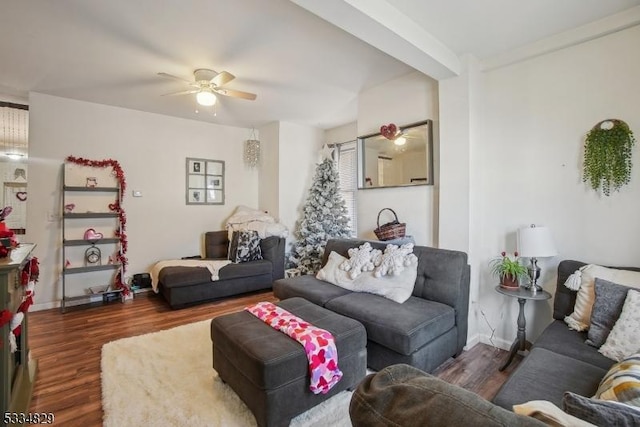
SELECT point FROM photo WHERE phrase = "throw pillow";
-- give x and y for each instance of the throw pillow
(624, 338)
(600, 412)
(394, 260)
(332, 273)
(397, 288)
(548, 413)
(622, 382)
(606, 310)
(579, 319)
(245, 246)
(360, 259)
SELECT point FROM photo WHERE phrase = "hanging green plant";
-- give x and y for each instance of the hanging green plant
(607, 156)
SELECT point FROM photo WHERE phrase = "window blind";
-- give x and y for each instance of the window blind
(347, 171)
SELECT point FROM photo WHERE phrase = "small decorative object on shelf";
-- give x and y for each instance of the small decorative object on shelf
(92, 181)
(69, 207)
(607, 156)
(91, 234)
(93, 256)
(508, 270)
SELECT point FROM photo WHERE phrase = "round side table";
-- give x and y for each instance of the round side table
(521, 343)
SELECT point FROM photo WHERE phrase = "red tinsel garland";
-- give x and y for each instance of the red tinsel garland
(116, 207)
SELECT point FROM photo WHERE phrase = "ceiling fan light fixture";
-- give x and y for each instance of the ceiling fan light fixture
(401, 140)
(206, 97)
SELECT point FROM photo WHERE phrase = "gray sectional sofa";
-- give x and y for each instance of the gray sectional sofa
(560, 361)
(424, 331)
(185, 286)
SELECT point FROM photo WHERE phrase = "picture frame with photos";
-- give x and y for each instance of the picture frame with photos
(204, 181)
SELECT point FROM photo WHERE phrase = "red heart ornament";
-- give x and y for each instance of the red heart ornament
(113, 206)
(389, 131)
(21, 195)
(92, 234)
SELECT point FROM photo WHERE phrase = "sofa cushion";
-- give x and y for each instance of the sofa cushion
(245, 246)
(545, 375)
(624, 339)
(245, 269)
(622, 382)
(558, 338)
(307, 287)
(397, 288)
(585, 279)
(404, 327)
(606, 310)
(601, 412)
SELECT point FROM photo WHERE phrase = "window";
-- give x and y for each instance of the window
(348, 172)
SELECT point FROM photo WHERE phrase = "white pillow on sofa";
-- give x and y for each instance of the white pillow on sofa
(580, 318)
(624, 339)
(397, 288)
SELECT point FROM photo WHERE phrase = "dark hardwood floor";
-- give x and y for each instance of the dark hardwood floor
(68, 348)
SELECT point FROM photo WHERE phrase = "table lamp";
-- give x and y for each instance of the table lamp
(535, 242)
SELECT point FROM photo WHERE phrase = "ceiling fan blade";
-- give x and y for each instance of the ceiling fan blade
(222, 78)
(182, 92)
(236, 93)
(171, 76)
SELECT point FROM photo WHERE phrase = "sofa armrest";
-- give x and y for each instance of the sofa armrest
(273, 250)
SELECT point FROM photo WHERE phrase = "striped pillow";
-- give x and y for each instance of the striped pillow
(622, 382)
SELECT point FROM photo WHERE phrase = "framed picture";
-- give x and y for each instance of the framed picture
(204, 182)
(214, 182)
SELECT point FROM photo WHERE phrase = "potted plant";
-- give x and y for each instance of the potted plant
(607, 155)
(508, 270)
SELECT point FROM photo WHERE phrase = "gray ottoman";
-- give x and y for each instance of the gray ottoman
(270, 371)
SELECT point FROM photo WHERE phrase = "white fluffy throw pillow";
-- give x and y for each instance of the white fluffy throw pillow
(583, 281)
(394, 260)
(360, 259)
(624, 339)
(397, 288)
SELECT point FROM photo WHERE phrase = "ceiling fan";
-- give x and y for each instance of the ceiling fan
(207, 84)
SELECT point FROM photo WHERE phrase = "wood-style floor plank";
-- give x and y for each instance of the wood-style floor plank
(68, 349)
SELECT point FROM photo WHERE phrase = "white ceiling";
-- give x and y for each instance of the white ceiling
(303, 68)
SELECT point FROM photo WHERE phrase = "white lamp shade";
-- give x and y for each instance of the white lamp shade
(535, 242)
(206, 97)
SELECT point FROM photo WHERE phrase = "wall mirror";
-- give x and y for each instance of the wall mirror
(402, 159)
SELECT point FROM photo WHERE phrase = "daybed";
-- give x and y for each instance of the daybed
(424, 331)
(183, 286)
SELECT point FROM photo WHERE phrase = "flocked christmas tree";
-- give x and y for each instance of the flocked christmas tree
(324, 217)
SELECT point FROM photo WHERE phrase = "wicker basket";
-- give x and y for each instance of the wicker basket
(391, 230)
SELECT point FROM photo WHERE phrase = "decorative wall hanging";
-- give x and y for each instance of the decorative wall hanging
(607, 156)
(252, 150)
(205, 182)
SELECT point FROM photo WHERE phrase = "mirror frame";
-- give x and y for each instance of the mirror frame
(429, 152)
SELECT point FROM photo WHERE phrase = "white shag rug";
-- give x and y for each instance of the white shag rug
(166, 379)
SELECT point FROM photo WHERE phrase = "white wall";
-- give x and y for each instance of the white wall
(535, 117)
(151, 149)
(402, 101)
(299, 156)
(289, 156)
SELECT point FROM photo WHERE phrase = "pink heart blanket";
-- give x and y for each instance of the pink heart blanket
(319, 344)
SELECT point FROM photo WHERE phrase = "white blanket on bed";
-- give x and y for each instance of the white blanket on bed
(213, 266)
